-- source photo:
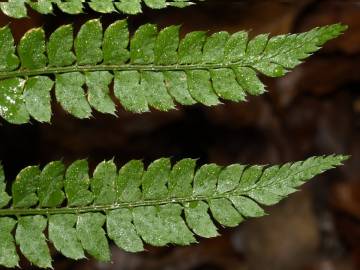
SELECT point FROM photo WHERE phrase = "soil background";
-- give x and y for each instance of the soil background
(314, 110)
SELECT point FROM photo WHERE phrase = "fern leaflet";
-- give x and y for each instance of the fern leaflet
(17, 8)
(161, 205)
(151, 71)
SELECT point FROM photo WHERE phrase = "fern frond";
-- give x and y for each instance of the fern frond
(152, 70)
(161, 205)
(18, 8)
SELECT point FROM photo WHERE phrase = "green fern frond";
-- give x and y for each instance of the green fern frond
(161, 205)
(153, 70)
(17, 8)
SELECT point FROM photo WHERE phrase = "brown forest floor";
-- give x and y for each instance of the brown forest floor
(313, 110)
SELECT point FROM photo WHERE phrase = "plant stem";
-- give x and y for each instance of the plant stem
(104, 208)
(125, 67)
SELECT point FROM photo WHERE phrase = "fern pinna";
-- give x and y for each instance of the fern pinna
(151, 70)
(17, 8)
(161, 205)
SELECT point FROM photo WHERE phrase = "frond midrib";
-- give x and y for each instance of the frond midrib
(115, 206)
(141, 203)
(124, 67)
(246, 62)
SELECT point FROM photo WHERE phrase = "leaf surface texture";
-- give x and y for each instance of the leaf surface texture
(162, 204)
(18, 8)
(149, 69)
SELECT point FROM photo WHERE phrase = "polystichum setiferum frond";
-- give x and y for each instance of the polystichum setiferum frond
(161, 205)
(151, 71)
(17, 8)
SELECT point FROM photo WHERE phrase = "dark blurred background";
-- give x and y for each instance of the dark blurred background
(314, 110)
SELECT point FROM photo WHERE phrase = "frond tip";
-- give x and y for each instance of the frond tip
(161, 205)
(18, 8)
(150, 70)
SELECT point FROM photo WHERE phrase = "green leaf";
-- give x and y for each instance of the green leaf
(226, 86)
(103, 6)
(32, 241)
(149, 225)
(181, 178)
(166, 46)
(121, 229)
(256, 46)
(150, 70)
(200, 87)
(181, 3)
(17, 8)
(224, 212)
(129, 191)
(70, 94)
(77, 183)
(25, 187)
(51, 182)
(130, 92)
(229, 178)
(103, 183)
(191, 47)
(8, 60)
(88, 43)
(42, 6)
(129, 6)
(98, 91)
(63, 235)
(205, 180)
(198, 219)
(160, 205)
(249, 81)
(157, 95)
(37, 98)
(116, 41)
(12, 103)
(14, 8)
(157, 4)
(8, 254)
(142, 44)
(247, 207)
(59, 47)
(72, 6)
(92, 236)
(214, 48)
(32, 49)
(235, 47)
(162, 225)
(4, 197)
(176, 82)
(249, 177)
(155, 179)
(176, 229)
